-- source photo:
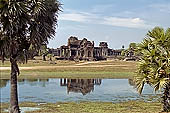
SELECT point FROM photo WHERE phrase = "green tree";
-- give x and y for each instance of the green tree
(44, 52)
(24, 23)
(132, 46)
(154, 67)
(50, 56)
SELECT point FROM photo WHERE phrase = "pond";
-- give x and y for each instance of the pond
(64, 90)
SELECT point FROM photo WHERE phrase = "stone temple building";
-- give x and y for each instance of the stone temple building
(83, 50)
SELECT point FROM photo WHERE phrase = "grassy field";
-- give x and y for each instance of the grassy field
(72, 69)
(92, 107)
(40, 63)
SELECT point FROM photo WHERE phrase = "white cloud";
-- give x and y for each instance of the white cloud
(126, 22)
(78, 16)
(73, 17)
(161, 7)
(91, 18)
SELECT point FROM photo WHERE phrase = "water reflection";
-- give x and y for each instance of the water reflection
(32, 82)
(64, 90)
(73, 85)
(83, 86)
(37, 82)
(131, 82)
(21, 80)
(3, 83)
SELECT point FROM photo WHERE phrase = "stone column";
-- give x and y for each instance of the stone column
(92, 53)
(77, 53)
(60, 52)
(70, 53)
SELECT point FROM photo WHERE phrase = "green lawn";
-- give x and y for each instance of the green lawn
(93, 107)
(66, 69)
(40, 63)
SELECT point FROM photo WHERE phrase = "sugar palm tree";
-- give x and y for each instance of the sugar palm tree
(24, 23)
(154, 67)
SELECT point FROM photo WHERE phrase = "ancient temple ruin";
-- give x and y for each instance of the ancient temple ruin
(84, 50)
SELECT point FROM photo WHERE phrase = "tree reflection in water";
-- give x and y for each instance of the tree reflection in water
(83, 86)
(44, 82)
(38, 82)
(131, 82)
(3, 83)
(32, 82)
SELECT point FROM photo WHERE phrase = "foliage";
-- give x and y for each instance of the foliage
(124, 52)
(50, 56)
(132, 45)
(26, 22)
(43, 50)
(131, 49)
(154, 67)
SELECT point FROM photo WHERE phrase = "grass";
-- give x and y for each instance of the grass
(46, 75)
(67, 69)
(40, 63)
(116, 69)
(92, 107)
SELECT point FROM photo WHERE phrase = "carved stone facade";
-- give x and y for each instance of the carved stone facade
(83, 50)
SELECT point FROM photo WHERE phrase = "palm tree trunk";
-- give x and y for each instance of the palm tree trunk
(166, 98)
(14, 107)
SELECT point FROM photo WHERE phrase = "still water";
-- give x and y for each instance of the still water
(64, 90)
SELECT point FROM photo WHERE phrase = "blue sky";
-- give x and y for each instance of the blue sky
(118, 22)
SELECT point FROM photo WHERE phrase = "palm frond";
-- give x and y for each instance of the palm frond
(160, 84)
(155, 58)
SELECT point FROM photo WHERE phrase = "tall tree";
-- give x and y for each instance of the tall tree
(24, 23)
(132, 45)
(154, 67)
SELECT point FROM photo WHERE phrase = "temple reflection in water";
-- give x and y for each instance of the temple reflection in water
(83, 86)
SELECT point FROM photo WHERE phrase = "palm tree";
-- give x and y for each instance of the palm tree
(154, 67)
(24, 23)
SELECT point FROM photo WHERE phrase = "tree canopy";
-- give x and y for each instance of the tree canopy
(154, 67)
(26, 22)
